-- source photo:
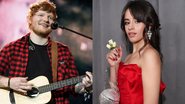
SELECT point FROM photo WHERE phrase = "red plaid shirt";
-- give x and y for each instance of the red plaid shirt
(14, 59)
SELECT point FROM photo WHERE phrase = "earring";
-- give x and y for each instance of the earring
(149, 33)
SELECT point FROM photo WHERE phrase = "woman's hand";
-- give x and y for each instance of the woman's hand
(114, 57)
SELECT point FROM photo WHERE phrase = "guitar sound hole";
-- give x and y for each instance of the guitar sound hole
(34, 92)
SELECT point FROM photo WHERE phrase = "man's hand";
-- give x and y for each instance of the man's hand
(86, 84)
(88, 79)
(20, 84)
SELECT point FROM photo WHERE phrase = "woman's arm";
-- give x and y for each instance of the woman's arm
(151, 76)
(114, 58)
(113, 77)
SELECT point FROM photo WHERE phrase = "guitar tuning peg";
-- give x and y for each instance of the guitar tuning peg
(85, 99)
(85, 94)
(88, 96)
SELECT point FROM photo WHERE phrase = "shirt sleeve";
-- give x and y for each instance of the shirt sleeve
(66, 69)
(71, 70)
(4, 60)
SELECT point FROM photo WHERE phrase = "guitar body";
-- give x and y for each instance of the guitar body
(22, 99)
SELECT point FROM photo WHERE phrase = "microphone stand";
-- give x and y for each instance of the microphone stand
(62, 27)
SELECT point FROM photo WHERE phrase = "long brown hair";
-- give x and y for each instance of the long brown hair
(143, 12)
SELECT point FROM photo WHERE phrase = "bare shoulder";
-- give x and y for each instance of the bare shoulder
(149, 53)
(127, 57)
(150, 57)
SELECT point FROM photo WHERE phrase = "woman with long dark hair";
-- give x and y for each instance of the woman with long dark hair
(138, 78)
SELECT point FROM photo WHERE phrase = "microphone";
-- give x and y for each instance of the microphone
(55, 25)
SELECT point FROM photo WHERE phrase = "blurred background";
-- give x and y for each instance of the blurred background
(72, 14)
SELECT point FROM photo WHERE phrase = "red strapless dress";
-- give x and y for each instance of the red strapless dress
(130, 84)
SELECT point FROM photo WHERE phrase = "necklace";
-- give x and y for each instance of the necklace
(32, 46)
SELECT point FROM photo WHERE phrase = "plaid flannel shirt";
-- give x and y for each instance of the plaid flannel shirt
(14, 59)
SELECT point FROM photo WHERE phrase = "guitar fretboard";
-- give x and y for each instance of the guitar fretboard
(60, 84)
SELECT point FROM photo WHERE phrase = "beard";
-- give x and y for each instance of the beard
(41, 32)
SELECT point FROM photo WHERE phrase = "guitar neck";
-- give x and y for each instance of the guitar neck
(60, 84)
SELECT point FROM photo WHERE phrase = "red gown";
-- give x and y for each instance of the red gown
(130, 84)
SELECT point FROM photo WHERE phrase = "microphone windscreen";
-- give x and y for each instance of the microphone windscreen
(54, 25)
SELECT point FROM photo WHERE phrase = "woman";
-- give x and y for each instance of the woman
(138, 78)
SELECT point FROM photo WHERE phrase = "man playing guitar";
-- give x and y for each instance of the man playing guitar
(31, 56)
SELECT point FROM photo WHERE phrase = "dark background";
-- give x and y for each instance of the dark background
(73, 14)
(76, 15)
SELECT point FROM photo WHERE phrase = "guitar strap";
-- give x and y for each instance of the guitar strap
(54, 57)
(11, 96)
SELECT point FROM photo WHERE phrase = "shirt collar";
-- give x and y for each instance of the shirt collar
(26, 39)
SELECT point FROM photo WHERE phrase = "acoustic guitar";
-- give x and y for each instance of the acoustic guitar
(40, 93)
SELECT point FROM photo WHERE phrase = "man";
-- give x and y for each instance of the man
(30, 57)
